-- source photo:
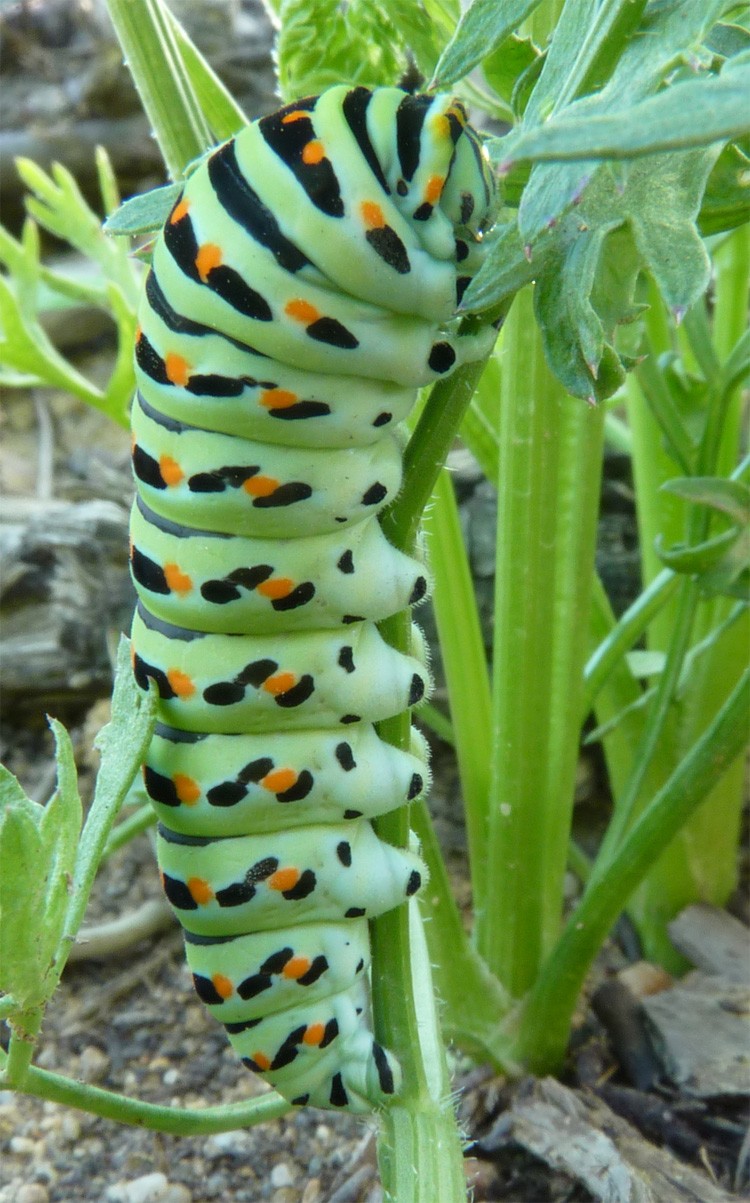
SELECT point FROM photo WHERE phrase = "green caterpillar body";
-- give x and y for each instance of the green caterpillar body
(304, 286)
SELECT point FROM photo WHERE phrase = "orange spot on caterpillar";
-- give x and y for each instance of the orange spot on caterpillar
(181, 683)
(132, 655)
(200, 890)
(188, 790)
(261, 486)
(279, 586)
(262, 1061)
(222, 985)
(283, 879)
(314, 1034)
(372, 215)
(178, 581)
(295, 968)
(313, 153)
(295, 115)
(280, 683)
(179, 211)
(278, 398)
(208, 257)
(177, 369)
(171, 472)
(138, 332)
(301, 311)
(131, 548)
(279, 781)
(433, 191)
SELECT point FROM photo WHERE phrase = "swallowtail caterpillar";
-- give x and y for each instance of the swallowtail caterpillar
(303, 288)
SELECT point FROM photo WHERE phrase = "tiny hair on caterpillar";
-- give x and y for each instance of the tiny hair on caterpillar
(304, 287)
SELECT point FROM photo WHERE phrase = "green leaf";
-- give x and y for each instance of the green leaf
(699, 558)
(12, 794)
(123, 744)
(696, 113)
(567, 40)
(223, 115)
(482, 28)
(726, 200)
(145, 213)
(37, 852)
(506, 65)
(22, 889)
(730, 497)
(508, 266)
(647, 215)
(727, 40)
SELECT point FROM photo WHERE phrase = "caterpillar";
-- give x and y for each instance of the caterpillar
(303, 288)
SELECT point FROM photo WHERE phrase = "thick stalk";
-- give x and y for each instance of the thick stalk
(548, 486)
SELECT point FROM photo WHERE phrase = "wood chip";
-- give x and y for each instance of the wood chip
(714, 941)
(576, 1133)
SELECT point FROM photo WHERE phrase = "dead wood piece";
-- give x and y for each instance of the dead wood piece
(105, 940)
(713, 940)
(701, 1031)
(65, 587)
(576, 1133)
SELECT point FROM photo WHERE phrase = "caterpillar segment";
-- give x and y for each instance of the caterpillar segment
(304, 286)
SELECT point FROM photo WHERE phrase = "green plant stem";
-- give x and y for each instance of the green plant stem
(148, 41)
(654, 728)
(427, 451)
(548, 486)
(405, 1018)
(625, 633)
(143, 818)
(185, 1122)
(465, 664)
(24, 1031)
(473, 1002)
(544, 1023)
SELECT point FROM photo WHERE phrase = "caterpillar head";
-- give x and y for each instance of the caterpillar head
(443, 181)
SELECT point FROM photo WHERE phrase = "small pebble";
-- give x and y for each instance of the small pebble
(170, 1076)
(22, 1146)
(311, 1193)
(93, 1064)
(227, 1144)
(150, 1188)
(32, 1192)
(281, 1175)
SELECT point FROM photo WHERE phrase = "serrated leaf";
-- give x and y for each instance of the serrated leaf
(730, 497)
(482, 28)
(145, 213)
